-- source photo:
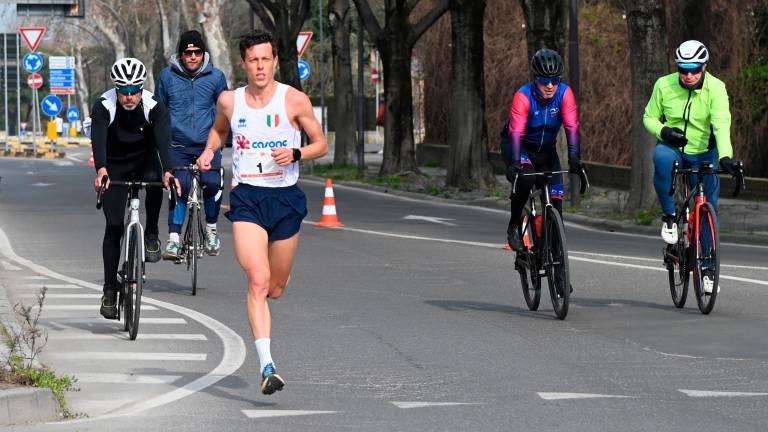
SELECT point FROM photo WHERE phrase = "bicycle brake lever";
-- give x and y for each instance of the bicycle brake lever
(103, 187)
(584, 180)
(675, 165)
(172, 193)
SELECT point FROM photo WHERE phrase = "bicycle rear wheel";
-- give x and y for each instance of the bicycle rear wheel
(707, 261)
(525, 263)
(676, 260)
(135, 282)
(556, 263)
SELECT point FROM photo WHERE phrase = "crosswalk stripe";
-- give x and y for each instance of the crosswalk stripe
(53, 337)
(87, 307)
(65, 321)
(65, 296)
(559, 396)
(281, 413)
(35, 277)
(51, 286)
(8, 266)
(116, 355)
(408, 405)
(705, 393)
(119, 378)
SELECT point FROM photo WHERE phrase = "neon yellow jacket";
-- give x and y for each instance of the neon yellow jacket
(708, 118)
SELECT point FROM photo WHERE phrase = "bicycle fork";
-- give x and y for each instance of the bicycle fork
(134, 220)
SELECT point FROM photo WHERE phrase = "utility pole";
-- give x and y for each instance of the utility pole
(360, 98)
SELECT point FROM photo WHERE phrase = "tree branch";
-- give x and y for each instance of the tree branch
(427, 20)
(259, 8)
(411, 6)
(369, 19)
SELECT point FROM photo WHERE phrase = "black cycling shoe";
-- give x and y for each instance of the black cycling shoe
(152, 248)
(513, 239)
(109, 304)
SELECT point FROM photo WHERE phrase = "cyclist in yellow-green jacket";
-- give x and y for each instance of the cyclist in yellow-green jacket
(688, 113)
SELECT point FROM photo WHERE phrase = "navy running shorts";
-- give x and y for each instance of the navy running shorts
(279, 210)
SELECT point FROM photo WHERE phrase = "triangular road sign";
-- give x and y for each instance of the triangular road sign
(32, 36)
(302, 41)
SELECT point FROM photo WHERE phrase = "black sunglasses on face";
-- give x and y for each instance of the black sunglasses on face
(192, 53)
(686, 71)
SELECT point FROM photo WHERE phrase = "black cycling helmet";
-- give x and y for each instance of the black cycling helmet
(547, 63)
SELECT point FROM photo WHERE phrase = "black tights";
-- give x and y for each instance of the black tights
(518, 200)
(114, 206)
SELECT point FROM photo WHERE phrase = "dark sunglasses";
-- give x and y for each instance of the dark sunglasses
(545, 81)
(193, 53)
(686, 71)
(129, 90)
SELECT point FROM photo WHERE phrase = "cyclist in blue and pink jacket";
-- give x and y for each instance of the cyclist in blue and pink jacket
(539, 109)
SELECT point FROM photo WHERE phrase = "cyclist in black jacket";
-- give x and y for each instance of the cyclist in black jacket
(130, 132)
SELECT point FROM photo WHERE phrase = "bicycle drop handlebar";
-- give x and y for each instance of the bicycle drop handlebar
(547, 174)
(706, 169)
(139, 184)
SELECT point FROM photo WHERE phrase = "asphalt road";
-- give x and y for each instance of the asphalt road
(393, 323)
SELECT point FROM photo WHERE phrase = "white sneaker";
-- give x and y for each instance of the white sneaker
(708, 281)
(669, 232)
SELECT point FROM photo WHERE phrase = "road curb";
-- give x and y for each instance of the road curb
(27, 405)
(593, 222)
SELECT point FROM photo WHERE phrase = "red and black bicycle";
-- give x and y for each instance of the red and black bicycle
(696, 250)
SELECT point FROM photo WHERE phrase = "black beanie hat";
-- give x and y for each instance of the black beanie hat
(190, 39)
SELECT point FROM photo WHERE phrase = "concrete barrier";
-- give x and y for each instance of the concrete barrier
(27, 405)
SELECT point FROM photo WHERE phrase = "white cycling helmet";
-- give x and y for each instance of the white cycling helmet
(691, 53)
(128, 72)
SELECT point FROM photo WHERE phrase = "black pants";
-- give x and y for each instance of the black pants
(114, 204)
(533, 162)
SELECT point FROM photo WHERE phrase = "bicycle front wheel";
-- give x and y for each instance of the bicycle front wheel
(556, 263)
(706, 267)
(194, 230)
(525, 263)
(676, 260)
(135, 282)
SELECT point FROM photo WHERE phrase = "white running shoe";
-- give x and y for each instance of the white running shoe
(708, 281)
(669, 230)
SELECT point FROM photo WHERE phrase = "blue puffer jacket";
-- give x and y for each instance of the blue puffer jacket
(191, 102)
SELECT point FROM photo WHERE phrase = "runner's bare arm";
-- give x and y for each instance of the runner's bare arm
(217, 135)
(302, 116)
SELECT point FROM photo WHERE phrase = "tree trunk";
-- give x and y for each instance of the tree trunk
(82, 85)
(343, 101)
(648, 59)
(545, 24)
(468, 165)
(218, 48)
(399, 145)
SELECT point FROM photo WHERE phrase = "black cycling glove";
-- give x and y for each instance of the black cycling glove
(673, 136)
(574, 165)
(729, 165)
(513, 171)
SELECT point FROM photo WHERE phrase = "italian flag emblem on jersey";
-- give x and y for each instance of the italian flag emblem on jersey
(273, 120)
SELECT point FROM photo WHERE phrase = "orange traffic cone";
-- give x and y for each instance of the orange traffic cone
(91, 163)
(329, 218)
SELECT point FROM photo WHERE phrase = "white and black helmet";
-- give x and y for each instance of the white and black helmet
(128, 72)
(691, 52)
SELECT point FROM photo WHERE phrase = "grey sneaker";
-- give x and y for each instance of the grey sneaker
(152, 247)
(171, 251)
(109, 304)
(271, 381)
(212, 242)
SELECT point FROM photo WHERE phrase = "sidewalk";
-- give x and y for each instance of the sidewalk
(741, 221)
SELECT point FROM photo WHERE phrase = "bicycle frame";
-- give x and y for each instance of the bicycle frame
(133, 219)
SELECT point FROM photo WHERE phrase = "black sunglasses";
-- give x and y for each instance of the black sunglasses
(686, 71)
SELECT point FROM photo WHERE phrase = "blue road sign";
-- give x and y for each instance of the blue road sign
(304, 70)
(73, 114)
(62, 78)
(51, 105)
(33, 62)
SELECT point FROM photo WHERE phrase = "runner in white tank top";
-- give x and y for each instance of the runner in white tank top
(266, 204)
(255, 133)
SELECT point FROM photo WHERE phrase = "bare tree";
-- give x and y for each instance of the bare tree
(545, 24)
(468, 165)
(648, 60)
(99, 15)
(395, 42)
(209, 12)
(284, 18)
(343, 101)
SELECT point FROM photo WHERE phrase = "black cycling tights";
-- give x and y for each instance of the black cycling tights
(114, 206)
(518, 200)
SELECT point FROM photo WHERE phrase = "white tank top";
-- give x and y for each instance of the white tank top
(255, 132)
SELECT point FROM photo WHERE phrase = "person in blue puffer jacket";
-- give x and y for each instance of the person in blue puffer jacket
(189, 88)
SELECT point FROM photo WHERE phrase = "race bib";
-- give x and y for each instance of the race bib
(259, 164)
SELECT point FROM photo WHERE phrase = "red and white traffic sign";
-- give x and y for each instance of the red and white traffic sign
(32, 36)
(35, 80)
(302, 41)
(374, 76)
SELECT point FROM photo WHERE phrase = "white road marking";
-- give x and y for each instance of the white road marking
(52, 337)
(409, 405)
(118, 378)
(281, 413)
(233, 346)
(91, 307)
(73, 158)
(433, 219)
(64, 296)
(659, 260)
(65, 321)
(496, 246)
(561, 396)
(62, 163)
(41, 184)
(35, 277)
(113, 355)
(52, 286)
(8, 266)
(704, 393)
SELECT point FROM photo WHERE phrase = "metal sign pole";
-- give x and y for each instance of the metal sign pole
(18, 86)
(34, 116)
(5, 83)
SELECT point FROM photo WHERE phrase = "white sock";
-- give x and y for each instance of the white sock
(265, 356)
(174, 237)
(211, 226)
